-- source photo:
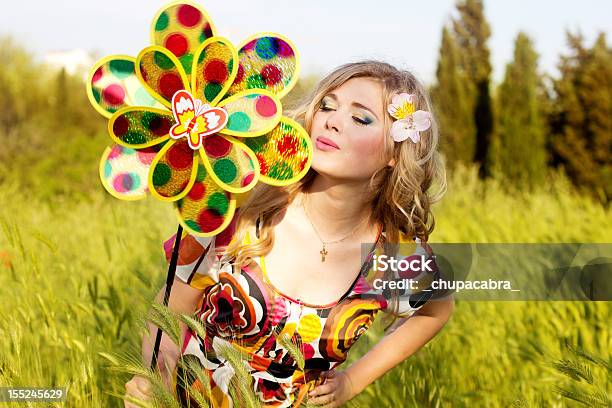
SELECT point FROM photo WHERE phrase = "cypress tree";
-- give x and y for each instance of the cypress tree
(520, 153)
(450, 96)
(62, 96)
(582, 121)
(472, 32)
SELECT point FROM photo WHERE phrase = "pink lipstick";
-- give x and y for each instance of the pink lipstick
(326, 144)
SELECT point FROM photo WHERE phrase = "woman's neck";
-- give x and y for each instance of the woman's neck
(336, 207)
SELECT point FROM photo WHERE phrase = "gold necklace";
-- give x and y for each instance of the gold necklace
(323, 250)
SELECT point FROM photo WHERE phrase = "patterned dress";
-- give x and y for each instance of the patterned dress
(241, 307)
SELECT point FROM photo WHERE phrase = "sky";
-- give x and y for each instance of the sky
(327, 33)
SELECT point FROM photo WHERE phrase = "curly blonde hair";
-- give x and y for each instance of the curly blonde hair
(399, 197)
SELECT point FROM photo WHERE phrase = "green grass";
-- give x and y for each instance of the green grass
(75, 277)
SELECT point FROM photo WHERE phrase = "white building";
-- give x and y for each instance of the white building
(74, 61)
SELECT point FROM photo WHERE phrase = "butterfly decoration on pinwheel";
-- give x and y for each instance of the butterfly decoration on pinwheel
(195, 121)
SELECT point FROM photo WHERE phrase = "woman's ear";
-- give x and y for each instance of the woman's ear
(391, 162)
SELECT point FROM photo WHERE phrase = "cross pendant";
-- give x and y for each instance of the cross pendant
(323, 252)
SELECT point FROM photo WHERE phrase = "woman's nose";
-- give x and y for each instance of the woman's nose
(333, 121)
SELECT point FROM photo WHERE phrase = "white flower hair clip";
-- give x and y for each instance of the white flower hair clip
(409, 122)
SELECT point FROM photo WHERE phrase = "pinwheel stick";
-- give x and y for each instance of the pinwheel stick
(169, 282)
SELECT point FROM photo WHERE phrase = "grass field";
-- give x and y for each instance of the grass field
(75, 277)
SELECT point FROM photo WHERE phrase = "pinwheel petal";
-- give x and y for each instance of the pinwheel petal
(251, 113)
(267, 61)
(173, 171)
(138, 127)
(112, 84)
(181, 28)
(124, 171)
(230, 163)
(207, 209)
(284, 154)
(161, 73)
(214, 70)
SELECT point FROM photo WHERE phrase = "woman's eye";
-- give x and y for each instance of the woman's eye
(364, 122)
(324, 107)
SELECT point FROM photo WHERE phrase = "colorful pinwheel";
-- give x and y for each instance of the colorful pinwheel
(224, 130)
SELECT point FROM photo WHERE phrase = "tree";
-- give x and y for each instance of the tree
(453, 108)
(581, 124)
(19, 81)
(472, 33)
(50, 136)
(520, 152)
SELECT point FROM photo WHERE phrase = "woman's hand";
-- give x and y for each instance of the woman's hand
(335, 390)
(138, 387)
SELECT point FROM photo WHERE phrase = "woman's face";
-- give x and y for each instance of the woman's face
(348, 129)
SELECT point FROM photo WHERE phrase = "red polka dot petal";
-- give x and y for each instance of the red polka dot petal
(303, 164)
(169, 83)
(216, 146)
(143, 72)
(265, 106)
(197, 191)
(180, 156)
(209, 220)
(226, 236)
(160, 126)
(113, 94)
(287, 146)
(97, 75)
(247, 179)
(189, 16)
(207, 31)
(263, 167)
(177, 43)
(120, 126)
(116, 151)
(215, 71)
(271, 74)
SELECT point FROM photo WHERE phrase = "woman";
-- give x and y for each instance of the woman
(374, 160)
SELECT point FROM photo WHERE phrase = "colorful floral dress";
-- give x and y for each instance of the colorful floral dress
(241, 307)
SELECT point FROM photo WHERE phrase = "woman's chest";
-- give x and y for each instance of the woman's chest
(241, 307)
(301, 275)
(305, 270)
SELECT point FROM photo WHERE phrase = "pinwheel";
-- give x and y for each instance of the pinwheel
(200, 165)
(195, 121)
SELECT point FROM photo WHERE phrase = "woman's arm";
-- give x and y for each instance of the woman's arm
(401, 341)
(183, 300)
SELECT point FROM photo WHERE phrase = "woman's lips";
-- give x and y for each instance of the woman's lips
(324, 143)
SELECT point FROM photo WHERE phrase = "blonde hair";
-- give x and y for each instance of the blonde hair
(398, 198)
